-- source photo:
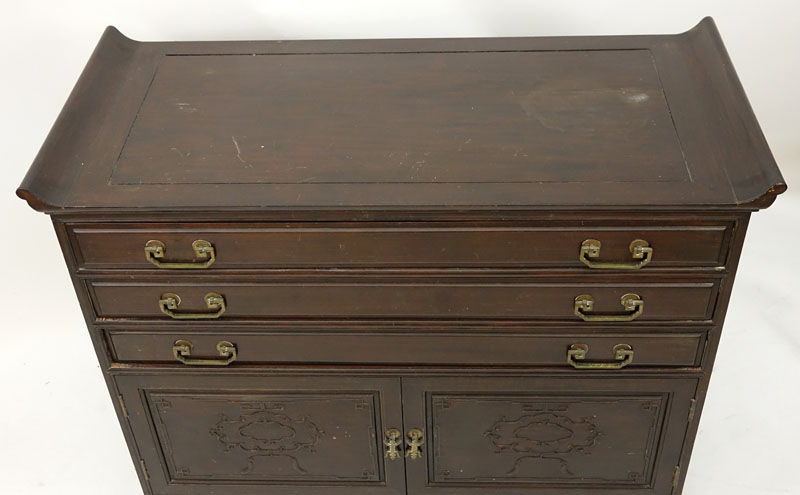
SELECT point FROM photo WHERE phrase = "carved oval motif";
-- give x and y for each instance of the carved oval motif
(543, 433)
(266, 431)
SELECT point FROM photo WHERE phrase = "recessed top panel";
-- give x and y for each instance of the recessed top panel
(473, 117)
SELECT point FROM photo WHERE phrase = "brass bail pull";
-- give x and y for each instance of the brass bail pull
(640, 249)
(623, 356)
(182, 350)
(632, 303)
(169, 302)
(154, 252)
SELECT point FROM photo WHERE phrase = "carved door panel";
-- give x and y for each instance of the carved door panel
(215, 433)
(548, 435)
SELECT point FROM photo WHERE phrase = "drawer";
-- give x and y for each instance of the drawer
(546, 347)
(537, 299)
(512, 245)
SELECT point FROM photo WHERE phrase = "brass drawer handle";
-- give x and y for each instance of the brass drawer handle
(392, 442)
(623, 354)
(204, 252)
(169, 303)
(640, 250)
(182, 349)
(415, 441)
(631, 302)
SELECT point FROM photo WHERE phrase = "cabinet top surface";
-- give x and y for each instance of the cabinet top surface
(652, 122)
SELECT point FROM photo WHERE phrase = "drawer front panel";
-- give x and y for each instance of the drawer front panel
(291, 435)
(242, 246)
(404, 299)
(390, 347)
(549, 435)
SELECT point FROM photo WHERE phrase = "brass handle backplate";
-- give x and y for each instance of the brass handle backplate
(641, 250)
(623, 355)
(169, 303)
(632, 303)
(204, 253)
(393, 441)
(182, 350)
(415, 441)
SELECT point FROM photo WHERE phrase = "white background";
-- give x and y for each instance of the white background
(58, 432)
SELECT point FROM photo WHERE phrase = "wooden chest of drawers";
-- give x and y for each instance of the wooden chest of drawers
(477, 266)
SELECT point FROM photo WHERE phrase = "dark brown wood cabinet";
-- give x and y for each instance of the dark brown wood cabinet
(456, 266)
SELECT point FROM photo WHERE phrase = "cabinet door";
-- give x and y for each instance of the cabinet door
(220, 433)
(548, 435)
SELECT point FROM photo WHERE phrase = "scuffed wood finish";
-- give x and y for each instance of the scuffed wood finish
(533, 123)
(428, 117)
(397, 227)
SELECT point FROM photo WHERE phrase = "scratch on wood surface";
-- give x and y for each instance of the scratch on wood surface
(238, 150)
(186, 107)
(638, 97)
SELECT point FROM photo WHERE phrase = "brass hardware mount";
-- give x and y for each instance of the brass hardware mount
(415, 441)
(169, 302)
(632, 303)
(623, 355)
(204, 255)
(393, 442)
(182, 350)
(640, 249)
